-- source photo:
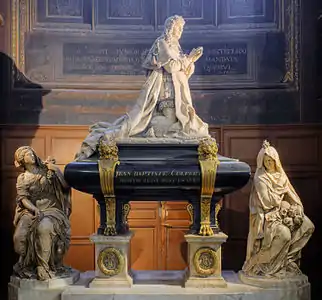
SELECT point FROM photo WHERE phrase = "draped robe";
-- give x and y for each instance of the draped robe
(162, 57)
(272, 248)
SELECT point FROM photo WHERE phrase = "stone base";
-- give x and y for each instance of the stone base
(264, 282)
(204, 257)
(212, 282)
(112, 261)
(127, 281)
(171, 289)
(32, 289)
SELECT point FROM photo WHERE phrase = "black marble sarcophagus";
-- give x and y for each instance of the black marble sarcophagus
(157, 172)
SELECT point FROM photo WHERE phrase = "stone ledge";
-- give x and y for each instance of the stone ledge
(169, 140)
(117, 239)
(235, 290)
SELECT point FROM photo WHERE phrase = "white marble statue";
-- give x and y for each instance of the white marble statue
(164, 107)
(42, 227)
(279, 229)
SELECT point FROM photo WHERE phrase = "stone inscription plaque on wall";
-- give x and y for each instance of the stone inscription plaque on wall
(103, 59)
(223, 59)
(117, 59)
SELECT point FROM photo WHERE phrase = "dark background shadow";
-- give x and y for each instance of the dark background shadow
(21, 104)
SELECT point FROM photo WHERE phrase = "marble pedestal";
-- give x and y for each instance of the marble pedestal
(32, 289)
(204, 258)
(112, 260)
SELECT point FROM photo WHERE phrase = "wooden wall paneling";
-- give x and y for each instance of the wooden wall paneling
(234, 215)
(16, 137)
(175, 224)
(308, 185)
(244, 143)
(234, 221)
(144, 221)
(82, 225)
(80, 256)
(64, 143)
(299, 148)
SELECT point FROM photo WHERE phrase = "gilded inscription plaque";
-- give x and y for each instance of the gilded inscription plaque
(158, 177)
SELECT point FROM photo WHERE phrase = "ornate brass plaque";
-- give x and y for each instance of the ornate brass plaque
(111, 261)
(205, 261)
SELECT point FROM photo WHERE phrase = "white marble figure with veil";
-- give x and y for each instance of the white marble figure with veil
(164, 107)
(278, 227)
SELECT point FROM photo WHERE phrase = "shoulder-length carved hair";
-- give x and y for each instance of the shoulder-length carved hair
(170, 23)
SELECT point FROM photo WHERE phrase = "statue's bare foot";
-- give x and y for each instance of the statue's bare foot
(42, 274)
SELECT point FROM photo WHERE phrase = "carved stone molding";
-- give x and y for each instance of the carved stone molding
(291, 27)
(20, 25)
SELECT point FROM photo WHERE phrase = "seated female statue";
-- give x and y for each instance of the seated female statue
(279, 229)
(42, 232)
(164, 107)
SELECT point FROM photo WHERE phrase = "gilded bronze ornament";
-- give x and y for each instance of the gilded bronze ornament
(217, 210)
(125, 213)
(107, 165)
(190, 212)
(205, 261)
(108, 149)
(111, 261)
(208, 150)
(208, 161)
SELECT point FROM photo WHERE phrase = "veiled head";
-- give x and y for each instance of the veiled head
(269, 164)
(173, 27)
(26, 155)
(268, 158)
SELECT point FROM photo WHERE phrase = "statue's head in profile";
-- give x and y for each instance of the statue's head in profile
(173, 27)
(25, 156)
